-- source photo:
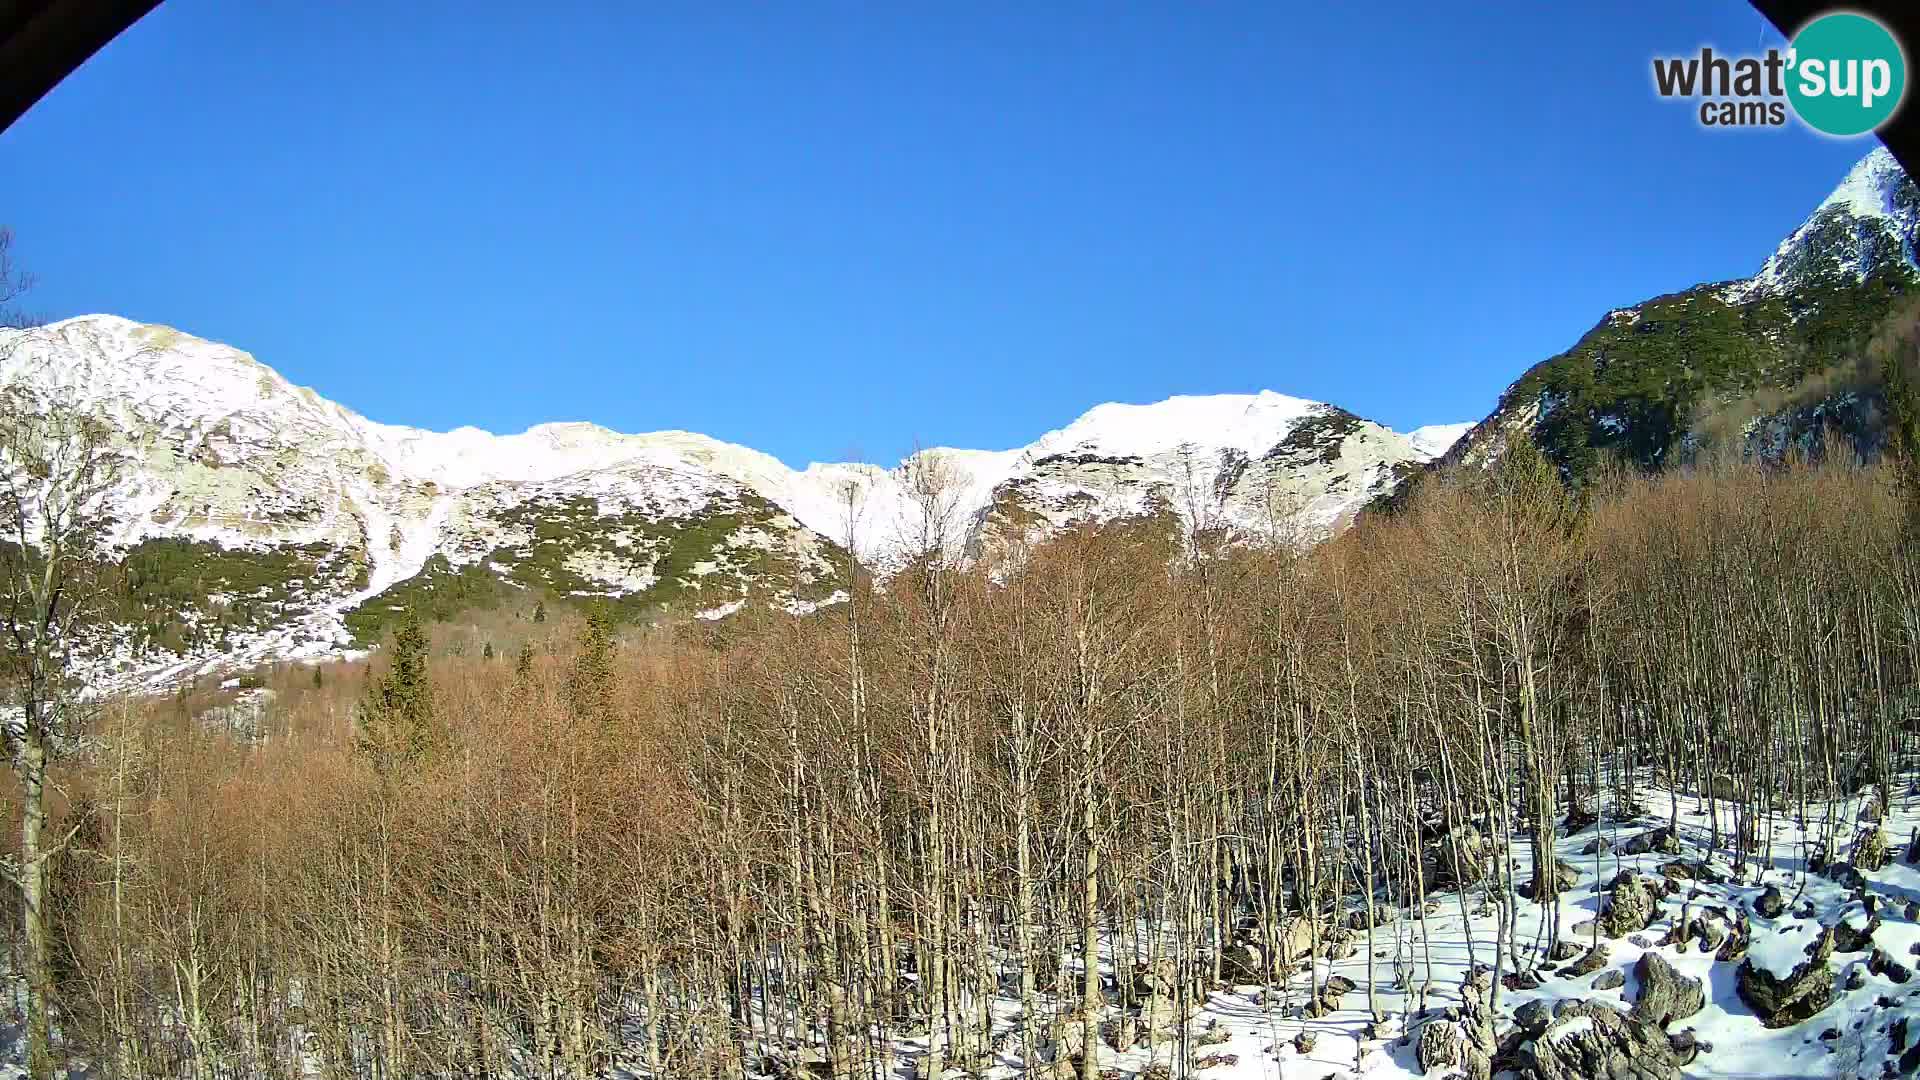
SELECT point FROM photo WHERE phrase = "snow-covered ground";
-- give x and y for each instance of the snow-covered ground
(1250, 1032)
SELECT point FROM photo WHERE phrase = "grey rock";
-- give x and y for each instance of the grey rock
(1630, 906)
(1610, 980)
(1665, 994)
(1533, 1017)
(1661, 840)
(1849, 938)
(1804, 991)
(1564, 877)
(1870, 850)
(1459, 858)
(1441, 1046)
(1607, 1044)
(1845, 874)
(1685, 1046)
(1594, 960)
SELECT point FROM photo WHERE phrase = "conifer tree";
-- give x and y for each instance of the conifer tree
(539, 611)
(487, 653)
(396, 716)
(523, 666)
(590, 684)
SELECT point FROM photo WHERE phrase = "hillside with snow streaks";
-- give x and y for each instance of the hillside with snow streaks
(1768, 363)
(241, 476)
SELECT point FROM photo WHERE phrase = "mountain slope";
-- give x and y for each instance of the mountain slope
(259, 520)
(1766, 361)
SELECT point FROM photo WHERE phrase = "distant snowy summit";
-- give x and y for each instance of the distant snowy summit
(1870, 221)
(236, 466)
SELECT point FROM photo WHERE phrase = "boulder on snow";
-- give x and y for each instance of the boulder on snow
(1463, 1043)
(1533, 1018)
(1710, 933)
(1665, 994)
(1881, 964)
(1331, 991)
(1163, 1016)
(1782, 999)
(1769, 904)
(1243, 962)
(1685, 1046)
(1630, 906)
(1160, 977)
(1677, 870)
(1870, 848)
(1257, 955)
(1564, 877)
(1580, 815)
(1439, 1046)
(1845, 874)
(1610, 980)
(1447, 1047)
(1739, 934)
(1458, 858)
(1339, 943)
(1661, 840)
(1293, 941)
(1594, 960)
(1588, 1039)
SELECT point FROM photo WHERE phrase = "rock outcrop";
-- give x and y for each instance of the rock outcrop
(1665, 994)
(1780, 999)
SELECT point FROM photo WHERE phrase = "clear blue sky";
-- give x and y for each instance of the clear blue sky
(822, 227)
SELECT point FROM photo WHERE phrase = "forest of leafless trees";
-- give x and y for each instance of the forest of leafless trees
(802, 846)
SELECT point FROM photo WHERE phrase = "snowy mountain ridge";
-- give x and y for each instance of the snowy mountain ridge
(231, 457)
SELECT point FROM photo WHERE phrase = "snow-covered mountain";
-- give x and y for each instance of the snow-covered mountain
(1768, 361)
(260, 520)
(1870, 221)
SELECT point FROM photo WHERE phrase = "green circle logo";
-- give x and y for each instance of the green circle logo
(1846, 74)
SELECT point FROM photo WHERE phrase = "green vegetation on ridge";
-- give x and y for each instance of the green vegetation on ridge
(687, 563)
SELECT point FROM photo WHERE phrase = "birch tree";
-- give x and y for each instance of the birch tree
(56, 469)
